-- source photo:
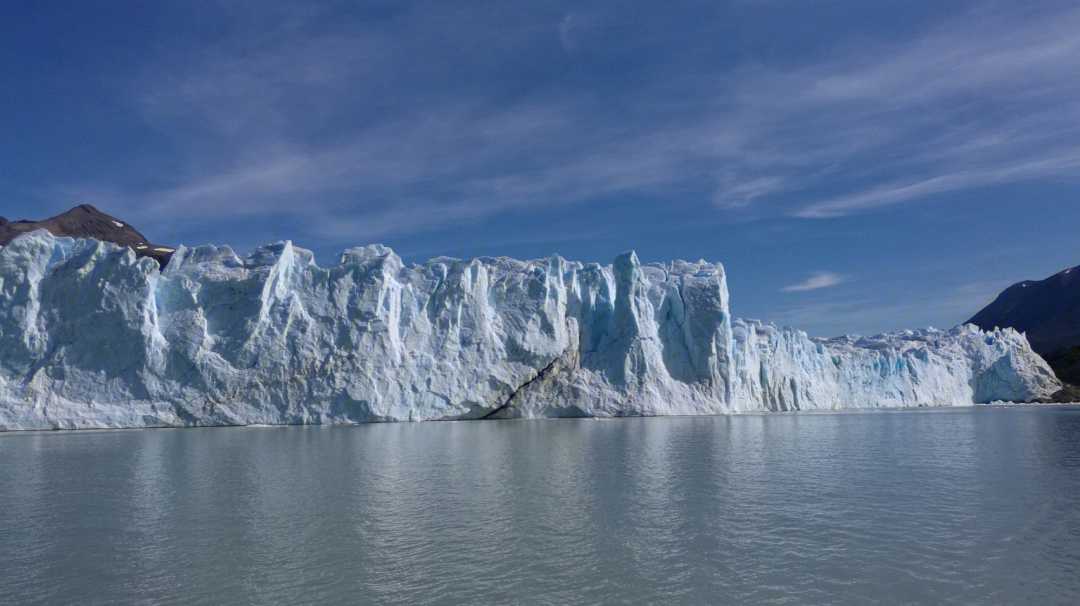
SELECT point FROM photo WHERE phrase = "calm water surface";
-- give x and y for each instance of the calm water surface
(969, 506)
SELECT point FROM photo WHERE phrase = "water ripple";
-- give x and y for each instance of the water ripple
(977, 505)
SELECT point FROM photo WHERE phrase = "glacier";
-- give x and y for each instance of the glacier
(93, 337)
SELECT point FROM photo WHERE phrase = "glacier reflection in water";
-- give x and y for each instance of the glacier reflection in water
(975, 505)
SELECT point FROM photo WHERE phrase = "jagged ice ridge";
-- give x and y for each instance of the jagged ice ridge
(91, 336)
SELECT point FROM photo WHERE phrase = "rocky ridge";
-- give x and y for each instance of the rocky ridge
(85, 221)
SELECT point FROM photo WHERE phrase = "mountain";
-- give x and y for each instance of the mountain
(85, 221)
(1049, 312)
(89, 338)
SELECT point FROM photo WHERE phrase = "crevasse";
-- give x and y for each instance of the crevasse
(90, 336)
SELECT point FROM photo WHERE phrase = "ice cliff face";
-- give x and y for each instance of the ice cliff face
(91, 336)
(784, 370)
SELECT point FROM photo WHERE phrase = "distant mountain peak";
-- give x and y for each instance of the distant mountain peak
(1049, 312)
(85, 221)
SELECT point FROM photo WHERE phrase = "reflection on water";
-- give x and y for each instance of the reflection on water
(973, 505)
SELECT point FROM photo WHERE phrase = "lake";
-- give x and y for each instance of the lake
(975, 505)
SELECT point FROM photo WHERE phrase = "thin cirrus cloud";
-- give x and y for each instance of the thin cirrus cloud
(838, 312)
(819, 280)
(895, 193)
(992, 105)
(324, 123)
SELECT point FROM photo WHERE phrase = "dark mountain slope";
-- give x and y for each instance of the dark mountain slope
(85, 221)
(1049, 312)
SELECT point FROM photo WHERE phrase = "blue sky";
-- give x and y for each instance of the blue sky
(856, 166)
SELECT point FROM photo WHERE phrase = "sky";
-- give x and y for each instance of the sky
(857, 166)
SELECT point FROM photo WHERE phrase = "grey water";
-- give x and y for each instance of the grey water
(969, 505)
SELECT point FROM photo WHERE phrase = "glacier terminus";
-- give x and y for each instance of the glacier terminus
(93, 337)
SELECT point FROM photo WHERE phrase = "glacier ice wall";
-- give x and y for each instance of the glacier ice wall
(781, 370)
(91, 336)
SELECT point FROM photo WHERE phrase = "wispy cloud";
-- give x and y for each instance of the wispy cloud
(821, 279)
(865, 312)
(382, 126)
(894, 193)
(567, 28)
(974, 104)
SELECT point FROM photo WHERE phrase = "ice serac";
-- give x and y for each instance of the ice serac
(92, 336)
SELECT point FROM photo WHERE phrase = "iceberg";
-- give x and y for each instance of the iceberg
(92, 336)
